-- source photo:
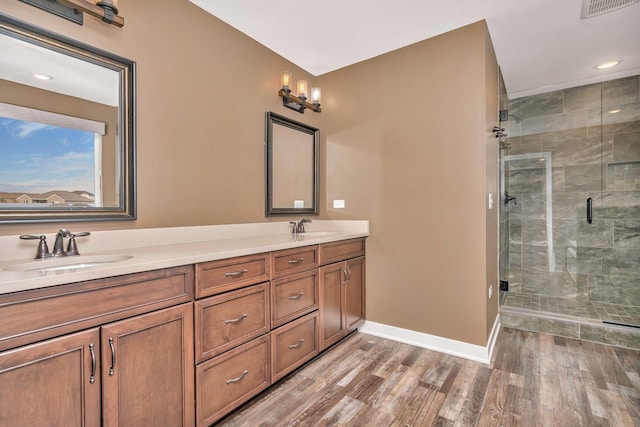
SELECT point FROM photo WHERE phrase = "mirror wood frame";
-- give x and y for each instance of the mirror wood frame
(273, 119)
(126, 122)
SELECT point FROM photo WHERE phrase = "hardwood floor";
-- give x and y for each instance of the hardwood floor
(534, 380)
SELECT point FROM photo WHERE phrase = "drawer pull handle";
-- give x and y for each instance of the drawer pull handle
(298, 296)
(296, 345)
(235, 273)
(92, 377)
(236, 320)
(235, 380)
(296, 261)
(113, 357)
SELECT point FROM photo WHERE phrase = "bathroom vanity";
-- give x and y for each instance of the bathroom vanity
(182, 343)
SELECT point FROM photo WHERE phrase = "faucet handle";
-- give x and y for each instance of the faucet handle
(294, 230)
(72, 247)
(43, 249)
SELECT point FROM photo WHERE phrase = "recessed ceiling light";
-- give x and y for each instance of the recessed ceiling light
(614, 110)
(41, 76)
(607, 64)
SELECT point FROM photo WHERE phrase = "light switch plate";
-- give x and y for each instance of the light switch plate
(338, 204)
(298, 203)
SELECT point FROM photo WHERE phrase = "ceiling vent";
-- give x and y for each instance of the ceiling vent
(592, 8)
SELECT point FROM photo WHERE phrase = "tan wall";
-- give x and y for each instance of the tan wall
(404, 141)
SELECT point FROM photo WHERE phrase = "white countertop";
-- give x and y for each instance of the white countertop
(157, 248)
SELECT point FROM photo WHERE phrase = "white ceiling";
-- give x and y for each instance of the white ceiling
(70, 76)
(541, 45)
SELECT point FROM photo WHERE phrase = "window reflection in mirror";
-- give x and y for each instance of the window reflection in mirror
(292, 167)
(66, 128)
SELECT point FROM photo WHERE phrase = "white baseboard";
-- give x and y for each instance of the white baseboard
(432, 342)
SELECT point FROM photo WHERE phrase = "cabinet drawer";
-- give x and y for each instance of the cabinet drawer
(293, 296)
(39, 314)
(341, 250)
(227, 320)
(294, 344)
(291, 261)
(225, 275)
(227, 381)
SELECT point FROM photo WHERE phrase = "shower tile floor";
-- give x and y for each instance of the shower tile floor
(621, 314)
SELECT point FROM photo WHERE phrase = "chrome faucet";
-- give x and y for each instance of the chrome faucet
(301, 224)
(58, 246)
(298, 226)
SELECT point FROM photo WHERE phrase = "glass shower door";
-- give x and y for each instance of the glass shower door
(570, 181)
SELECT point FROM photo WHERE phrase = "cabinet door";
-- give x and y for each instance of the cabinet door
(330, 304)
(355, 296)
(147, 369)
(54, 382)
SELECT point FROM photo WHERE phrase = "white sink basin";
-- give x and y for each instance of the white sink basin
(311, 234)
(74, 262)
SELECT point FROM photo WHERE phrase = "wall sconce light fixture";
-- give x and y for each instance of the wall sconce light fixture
(299, 103)
(106, 10)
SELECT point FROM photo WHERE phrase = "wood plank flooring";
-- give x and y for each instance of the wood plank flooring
(534, 380)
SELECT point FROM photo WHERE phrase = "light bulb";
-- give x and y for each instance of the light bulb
(316, 94)
(302, 88)
(285, 79)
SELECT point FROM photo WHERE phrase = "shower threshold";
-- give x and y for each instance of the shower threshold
(585, 320)
(581, 310)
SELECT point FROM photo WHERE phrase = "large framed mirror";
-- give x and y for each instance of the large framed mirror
(67, 128)
(292, 167)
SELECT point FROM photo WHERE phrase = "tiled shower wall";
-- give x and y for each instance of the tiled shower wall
(590, 135)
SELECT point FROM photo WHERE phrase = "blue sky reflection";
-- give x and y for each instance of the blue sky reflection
(35, 158)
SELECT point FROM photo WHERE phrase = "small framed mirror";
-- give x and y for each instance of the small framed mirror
(292, 167)
(67, 128)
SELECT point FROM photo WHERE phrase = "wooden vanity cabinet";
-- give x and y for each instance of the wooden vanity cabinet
(232, 341)
(294, 323)
(133, 366)
(138, 350)
(143, 366)
(342, 290)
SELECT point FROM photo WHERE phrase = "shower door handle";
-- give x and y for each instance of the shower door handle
(589, 210)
